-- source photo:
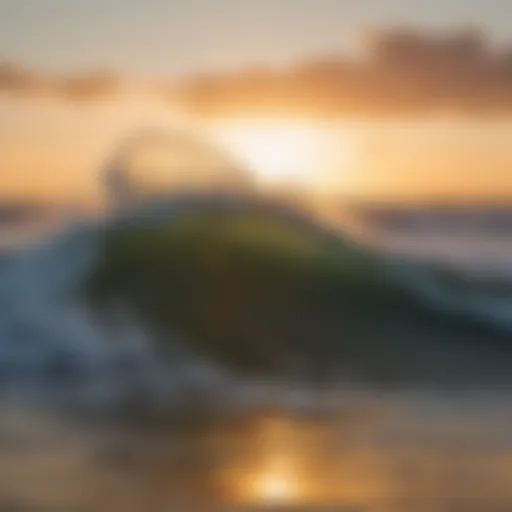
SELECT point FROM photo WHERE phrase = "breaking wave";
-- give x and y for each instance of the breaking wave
(55, 349)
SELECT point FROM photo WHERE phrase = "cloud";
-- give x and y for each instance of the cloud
(400, 70)
(89, 86)
(20, 81)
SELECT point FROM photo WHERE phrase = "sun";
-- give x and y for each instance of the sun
(278, 152)
(274, 151)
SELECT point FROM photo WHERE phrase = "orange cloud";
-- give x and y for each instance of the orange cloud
(15, 79)
(88, 86)
(402, 70)
(21, 81)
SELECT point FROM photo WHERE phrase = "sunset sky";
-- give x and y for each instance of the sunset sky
(179, 36)
(52, 144)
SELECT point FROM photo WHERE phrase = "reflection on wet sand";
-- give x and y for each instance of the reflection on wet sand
(424, 456)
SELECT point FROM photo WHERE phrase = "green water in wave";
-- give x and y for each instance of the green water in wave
(262, 292)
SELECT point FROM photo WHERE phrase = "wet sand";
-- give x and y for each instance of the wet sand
(393, 453)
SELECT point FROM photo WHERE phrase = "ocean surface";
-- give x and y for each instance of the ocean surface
(94, 419)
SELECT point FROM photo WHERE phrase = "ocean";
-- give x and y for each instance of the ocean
(95, 417)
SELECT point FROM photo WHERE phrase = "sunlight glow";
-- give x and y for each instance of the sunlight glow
(285, 152)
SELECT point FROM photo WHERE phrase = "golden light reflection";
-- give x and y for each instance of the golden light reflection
(276, 488)
(277, 479)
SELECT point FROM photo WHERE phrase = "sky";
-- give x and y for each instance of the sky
(176, 37)
(53, 148)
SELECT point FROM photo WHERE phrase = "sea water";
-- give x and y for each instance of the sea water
(92, 419)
